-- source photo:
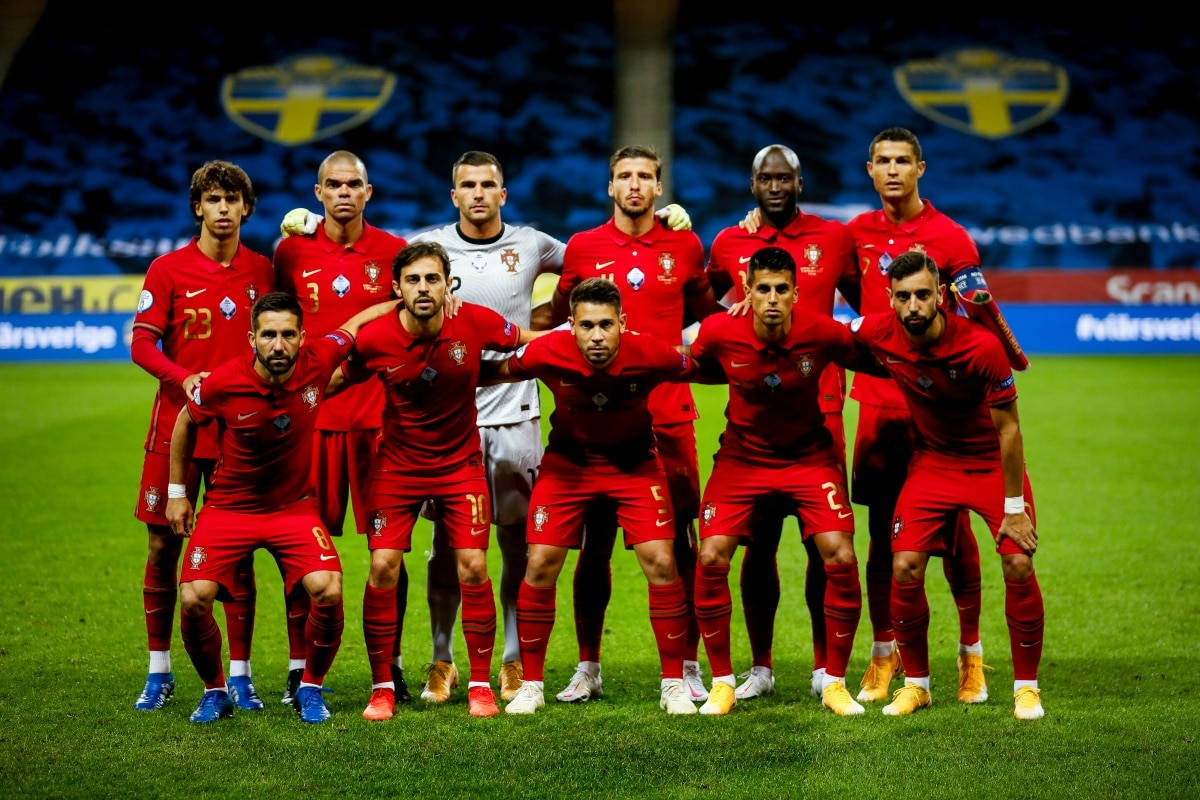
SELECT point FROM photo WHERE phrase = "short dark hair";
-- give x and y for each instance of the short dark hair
(341, 157)
(895, 135)
(226, 175)
(599, 291)
(637, 151)
(771, 259)
(276, 301)
(418, 250)
(911, 263)
(476, 158)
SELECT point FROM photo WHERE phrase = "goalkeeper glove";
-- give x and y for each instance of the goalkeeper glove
(675, 217)
(298, 221)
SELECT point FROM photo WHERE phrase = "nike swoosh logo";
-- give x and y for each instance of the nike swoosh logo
(1035, 644)
(736, 364)
(483, 651)
(246, 416)
(193, 294)
(530, 641)
(328, 558)
(155, 611)
(393, 369)
(868, 246)
(842, 635)
(658, 523)
(843, 516)
(298, 615)
(374, 653)
(674, 636)
(711, 634)
(890, 360)
(565, 383)
(479, 532)
(605, 264)
(744, 259)
(306, 273)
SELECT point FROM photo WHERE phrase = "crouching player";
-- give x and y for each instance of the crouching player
(265, 407)
(601, 448)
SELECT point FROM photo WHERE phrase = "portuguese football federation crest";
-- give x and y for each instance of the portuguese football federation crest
(511, 259)
(540, 517)
(812, 253)
(310, 396)
(984, 92)
(666, 262)
(305, 98)
(153, 498)
(805, 365)
(199, 556)
(458, 351)
(372, 270)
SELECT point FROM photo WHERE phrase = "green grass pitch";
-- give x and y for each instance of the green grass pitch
(1113, 447)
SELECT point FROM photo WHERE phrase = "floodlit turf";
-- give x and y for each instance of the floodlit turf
(1112, 446)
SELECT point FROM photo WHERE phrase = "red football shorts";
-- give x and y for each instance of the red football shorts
(295, 535)
(463, 507)
(932, 497)
(883, 447)
(813, 489)
(342, 462)
(565, 490)
(677, 451)
(152, 493)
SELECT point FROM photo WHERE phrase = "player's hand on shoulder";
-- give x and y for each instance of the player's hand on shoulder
(739, 309)
(299, 222)
(675, 217)
(452, 305)
(192, 381)
(752, 221)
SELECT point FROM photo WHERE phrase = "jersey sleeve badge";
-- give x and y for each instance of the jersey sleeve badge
(145, 300)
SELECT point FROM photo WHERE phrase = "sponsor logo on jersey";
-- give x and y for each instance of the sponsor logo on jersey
(310, 395)
(984, 92)
(340, 285)
(666, 262)
(305, 98)
(478, 262)
(773, 381)
(282, 422)
(228, 307)
(885, 261)
(805, 365)
(599, 400)
(511, 259)
(153, 498)
(924, 381)
(190, 293)
(540, 517)
(198, 556)
(458, 351)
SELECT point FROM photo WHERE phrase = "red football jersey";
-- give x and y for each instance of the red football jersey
(429, 415)
(949, 387)
(824, 254)
(333, 283)
(266, 429)
(201, 310)
(877, 240)
(598, 411)
(774, 416)
(654, 273)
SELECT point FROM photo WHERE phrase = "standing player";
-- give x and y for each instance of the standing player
(429, 364)
(659, 273)
(824, 251)
(495, 266)
(601, 429)
(196, 302)
(884, 442)
(776, 450)
(265, 407)
(958, 384)
(341, 267)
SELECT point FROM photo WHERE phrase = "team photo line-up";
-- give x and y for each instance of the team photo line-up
(400, 379)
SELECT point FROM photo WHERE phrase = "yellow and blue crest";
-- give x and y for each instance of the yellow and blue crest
(984, 92)
(305, 98)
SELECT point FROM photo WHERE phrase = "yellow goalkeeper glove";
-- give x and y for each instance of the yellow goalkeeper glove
(298, 221)
(675, 217)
